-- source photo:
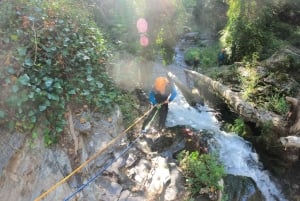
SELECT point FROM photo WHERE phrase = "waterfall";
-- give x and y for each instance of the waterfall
(237, 154)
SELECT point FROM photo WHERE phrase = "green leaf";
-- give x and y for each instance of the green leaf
(37, 90)
(45, 48)
(48, 82)
(10, 70)
(33, 119)
(31, 95)
(42, 108)
(85, 57)
(89, 78)
(31, 113)
(99, 84)
(85, 93)
(15, 88)
(34, 135)
(7, 80)
(57, 85)
(89, 69)
(2, 114)
(53, 97)
(48, 62)
(38, 10)
(24, 80)
(22, 51)
(28, 62)
(65, 52)
(58, 129)
(14, 37)
(6, 40)
(72, 92)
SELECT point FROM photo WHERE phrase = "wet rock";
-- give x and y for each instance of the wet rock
(107, 190)
(175, 189)
(160, 176)
(241, 188)
(284, 59)
(191, 36)
(10, 144)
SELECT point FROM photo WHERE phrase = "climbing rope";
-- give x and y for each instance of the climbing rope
(152, 118)
(101, 171)
(92, 157)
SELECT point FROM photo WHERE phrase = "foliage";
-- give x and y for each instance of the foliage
(192, 55)
(205, 16)
(200, 170)
(165, 23)
(207, 56)
(249, 80)
(277, 103)
(267, 135)
(128, 104)
(60, 59)
(238, 127)
(249, 29)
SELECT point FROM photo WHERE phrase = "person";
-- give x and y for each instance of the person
(162, 92)
(222, 57)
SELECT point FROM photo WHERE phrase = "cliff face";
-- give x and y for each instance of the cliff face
(29, 168)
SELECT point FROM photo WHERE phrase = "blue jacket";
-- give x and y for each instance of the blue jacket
(152, 98)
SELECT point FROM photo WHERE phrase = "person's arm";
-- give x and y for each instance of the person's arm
(173, 94)
(152, 98)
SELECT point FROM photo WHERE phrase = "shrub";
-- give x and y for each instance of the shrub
(200, 171)
(192, 55)
(278, 104)
(60, 58)
(238, 127)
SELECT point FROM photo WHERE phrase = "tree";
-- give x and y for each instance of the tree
(248, 30)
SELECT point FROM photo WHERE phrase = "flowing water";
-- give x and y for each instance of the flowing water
(237, 154)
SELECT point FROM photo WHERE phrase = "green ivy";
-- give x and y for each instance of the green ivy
(61, 57)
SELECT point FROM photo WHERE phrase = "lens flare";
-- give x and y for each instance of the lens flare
(142, 25)
(144, 41)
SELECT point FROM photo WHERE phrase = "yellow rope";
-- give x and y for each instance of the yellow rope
(91, 158)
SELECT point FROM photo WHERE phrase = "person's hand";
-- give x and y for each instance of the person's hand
(166, 101)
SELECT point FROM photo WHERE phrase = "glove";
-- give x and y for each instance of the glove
(158, 106)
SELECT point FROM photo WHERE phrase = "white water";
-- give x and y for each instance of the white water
(236, 154)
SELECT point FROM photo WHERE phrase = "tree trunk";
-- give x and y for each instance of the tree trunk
(238, 105)
(248, 112)
(294, 124)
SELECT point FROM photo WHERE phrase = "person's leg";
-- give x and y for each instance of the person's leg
(163, 112)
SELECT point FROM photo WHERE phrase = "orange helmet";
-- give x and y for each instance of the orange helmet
(160, 84)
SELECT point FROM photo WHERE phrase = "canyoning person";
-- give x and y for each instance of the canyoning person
(222, 57)
(162, 92)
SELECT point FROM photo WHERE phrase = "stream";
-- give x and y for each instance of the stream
(237, 154)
